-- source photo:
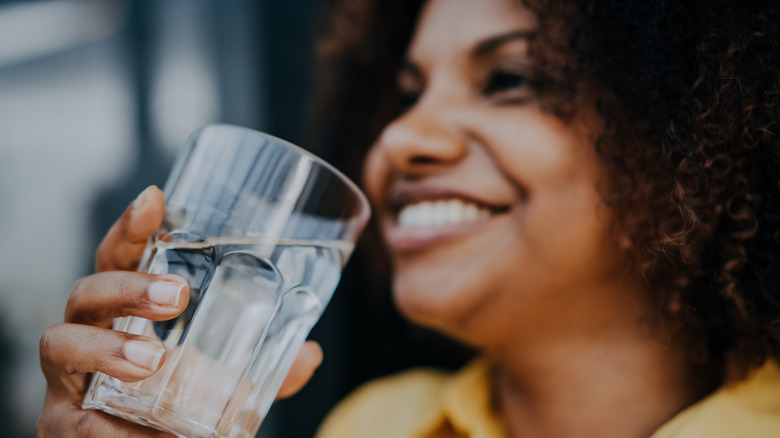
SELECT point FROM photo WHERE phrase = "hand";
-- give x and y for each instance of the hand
(84, 343)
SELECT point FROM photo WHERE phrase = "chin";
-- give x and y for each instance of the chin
(434, 304)
(419, 308)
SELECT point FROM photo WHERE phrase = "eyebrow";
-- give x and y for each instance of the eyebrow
(488, 45)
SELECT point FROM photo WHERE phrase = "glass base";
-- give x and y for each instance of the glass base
(108, 397)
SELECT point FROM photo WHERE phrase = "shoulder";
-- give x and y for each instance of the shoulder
(750, 408)
(391, 405)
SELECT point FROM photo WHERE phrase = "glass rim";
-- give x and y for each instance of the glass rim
(366, 205)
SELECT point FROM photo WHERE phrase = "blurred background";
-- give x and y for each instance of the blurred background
(96, 96)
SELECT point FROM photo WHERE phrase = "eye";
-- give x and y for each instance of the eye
(406, 100)
(506, 84)
(409, 86)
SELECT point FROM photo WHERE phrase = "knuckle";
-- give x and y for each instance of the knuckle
(57, 420)
(43, 426)
(79, 288)
(83, 425)
(128, 288)
(131, 294)
(100, 249)
(46, 341)
(75, 303)
(87, 424)
(100, 254)
(96, 424)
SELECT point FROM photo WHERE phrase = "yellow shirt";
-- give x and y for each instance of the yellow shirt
(431, 404)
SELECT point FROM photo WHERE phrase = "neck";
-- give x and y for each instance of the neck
(626, 385)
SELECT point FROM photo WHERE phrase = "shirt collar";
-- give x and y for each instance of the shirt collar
(465, 406)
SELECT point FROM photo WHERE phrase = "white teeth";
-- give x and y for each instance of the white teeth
(427, 213)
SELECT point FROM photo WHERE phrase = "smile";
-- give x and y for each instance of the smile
(427, 223)
(438, 213)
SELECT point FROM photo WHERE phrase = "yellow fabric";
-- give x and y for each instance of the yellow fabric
(431, 404)
(747, 409)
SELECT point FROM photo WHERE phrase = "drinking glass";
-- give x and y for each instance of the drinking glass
(260, 229)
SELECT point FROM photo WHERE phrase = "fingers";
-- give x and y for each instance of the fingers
(62, 418)
(98, 298)
(123, 245)
(309, 358)
(68, 351)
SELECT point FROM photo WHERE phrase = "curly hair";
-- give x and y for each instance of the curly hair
(690, 96)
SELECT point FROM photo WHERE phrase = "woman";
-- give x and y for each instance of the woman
(585, 192)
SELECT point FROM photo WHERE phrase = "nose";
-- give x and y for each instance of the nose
(425, 138)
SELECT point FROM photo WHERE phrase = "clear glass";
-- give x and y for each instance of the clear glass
(261, 230)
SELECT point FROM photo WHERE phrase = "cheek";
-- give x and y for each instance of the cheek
(539, 150)
(559, 169)
(375, 173)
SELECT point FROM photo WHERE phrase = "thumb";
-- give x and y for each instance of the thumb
(307, 361)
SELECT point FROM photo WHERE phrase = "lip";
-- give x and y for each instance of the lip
(413, 239)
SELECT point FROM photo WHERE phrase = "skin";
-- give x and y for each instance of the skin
(540, 286)
(84, 343)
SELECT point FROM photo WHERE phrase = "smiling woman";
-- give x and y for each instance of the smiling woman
(586, 193)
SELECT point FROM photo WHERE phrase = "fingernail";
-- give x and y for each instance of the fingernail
(143, 354)
(142, 197)
(165, 293)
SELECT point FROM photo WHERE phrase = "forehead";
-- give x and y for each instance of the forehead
(457, 25)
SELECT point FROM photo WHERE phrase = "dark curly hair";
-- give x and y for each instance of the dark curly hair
(690, 95)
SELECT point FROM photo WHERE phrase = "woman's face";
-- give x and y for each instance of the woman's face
(487, 203)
